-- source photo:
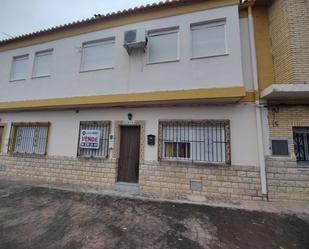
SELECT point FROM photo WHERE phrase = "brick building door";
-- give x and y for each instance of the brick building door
(128, 165)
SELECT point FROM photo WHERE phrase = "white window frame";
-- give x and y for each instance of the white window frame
(36, 55)
(16, 58)
(158, 32)
(109, 40)
(209, 24)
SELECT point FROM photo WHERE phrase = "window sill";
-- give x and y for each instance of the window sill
(281, 156)
(32, 155)
(208, 56)
(93, 70)
(17, 80)
(196, 163)
(40, 76)
(303, 168)
(303, 165)
(92, 158)
(161, 62)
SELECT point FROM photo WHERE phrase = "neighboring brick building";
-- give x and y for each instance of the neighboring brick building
(287, 99)
(189, 108)
(289, 32)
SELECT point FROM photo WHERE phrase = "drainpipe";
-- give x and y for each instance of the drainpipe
(257, 105)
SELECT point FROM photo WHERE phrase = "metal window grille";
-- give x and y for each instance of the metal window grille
(30, 138)
(102, 151)
(301, 144)
(197, 141)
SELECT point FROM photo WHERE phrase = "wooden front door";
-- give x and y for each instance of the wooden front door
(128, 164)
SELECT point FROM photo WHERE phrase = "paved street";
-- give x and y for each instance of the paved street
(36, 217)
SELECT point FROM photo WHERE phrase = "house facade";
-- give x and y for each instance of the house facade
(186, 115)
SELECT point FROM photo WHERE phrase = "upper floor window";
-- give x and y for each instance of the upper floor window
(19, 67)
(42, 62)
(208, 39)
(163, 45)
(98, 55)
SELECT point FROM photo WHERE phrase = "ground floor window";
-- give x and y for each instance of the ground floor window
(301, 145)
(29, 138)
(197, 141)
(93, 139)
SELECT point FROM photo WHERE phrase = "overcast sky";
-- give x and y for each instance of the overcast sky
(23, 16)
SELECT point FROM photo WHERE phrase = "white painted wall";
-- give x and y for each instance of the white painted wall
(131, 73)
(65, 125)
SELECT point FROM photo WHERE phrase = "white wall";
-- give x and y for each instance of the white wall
(131, 73)
(65, 125)
(246, 54)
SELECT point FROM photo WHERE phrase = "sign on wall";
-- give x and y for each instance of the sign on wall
(89, 139)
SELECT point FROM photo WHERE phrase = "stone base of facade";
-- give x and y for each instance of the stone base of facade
(286, 181)
(163, 179)
(59, 171)
(171, 179)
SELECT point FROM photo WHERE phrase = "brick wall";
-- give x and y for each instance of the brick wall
(282, 119)
(298, 13)
(289, 31)
(172, 179)
(287, 181)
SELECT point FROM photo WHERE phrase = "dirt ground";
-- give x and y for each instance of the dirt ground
(34, 217)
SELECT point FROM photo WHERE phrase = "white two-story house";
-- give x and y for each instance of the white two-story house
(159, 97)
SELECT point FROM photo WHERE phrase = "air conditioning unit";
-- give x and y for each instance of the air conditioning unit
(135, 39)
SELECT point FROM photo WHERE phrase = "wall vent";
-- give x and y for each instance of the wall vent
(196, 185)
(2, 167)
(280, 147)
